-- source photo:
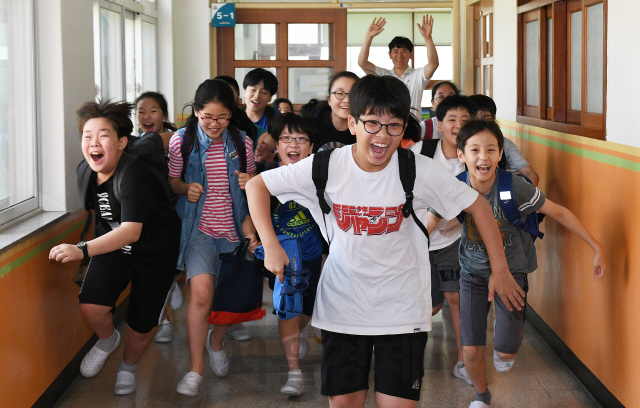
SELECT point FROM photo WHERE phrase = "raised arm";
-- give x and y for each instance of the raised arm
(501, 280)
(363, 59)
(573, 224)
(425, 30)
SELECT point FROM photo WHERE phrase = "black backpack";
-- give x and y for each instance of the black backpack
(149, 149)
(406, 164)
(429, 147)
(236, 138)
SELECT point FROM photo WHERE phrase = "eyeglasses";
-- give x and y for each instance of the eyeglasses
(340, 95)
(208, 120)
(299, 140)
(373, 127)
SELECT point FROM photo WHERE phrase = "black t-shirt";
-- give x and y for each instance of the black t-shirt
(143, 200)
(328, 133)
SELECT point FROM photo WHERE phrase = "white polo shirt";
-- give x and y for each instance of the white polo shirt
(415, 81)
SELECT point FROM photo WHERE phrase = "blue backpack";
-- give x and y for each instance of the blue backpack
(508, 203)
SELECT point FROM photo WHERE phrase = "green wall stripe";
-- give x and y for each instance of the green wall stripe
(589, 154)
(45, 246)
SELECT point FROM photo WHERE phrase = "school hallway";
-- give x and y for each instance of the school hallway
(258, 370)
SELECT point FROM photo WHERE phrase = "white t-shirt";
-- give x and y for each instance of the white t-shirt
(415, 81)
(436, 133)
(377, 279)
(446, 232)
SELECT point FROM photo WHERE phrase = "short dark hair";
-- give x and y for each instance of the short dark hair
(276, 103)
(341, 74)
(401, 42)
(295, 124)
(484, 103)
(231, 81)
(455, 102)
(475, 126)
(434, 90)
(254, 77)
(117, 113)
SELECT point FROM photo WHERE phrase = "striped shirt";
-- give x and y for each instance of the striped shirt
(217, 213)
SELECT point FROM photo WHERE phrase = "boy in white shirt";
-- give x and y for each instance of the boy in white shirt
(374, 291)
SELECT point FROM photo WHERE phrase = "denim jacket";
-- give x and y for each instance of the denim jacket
(189, 212)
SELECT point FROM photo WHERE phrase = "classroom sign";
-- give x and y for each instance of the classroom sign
(223, 15)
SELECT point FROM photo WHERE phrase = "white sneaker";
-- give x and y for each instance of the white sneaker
(238, 332)
(125, 383)
(217, 359)
(303, 348)
(479, 404)
(294, 385)
(461, 373)
(501, 365)
(175, 297)
(189, 384)
(94, 360)
(164, 334)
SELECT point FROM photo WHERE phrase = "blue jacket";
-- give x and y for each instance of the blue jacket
(189, 212)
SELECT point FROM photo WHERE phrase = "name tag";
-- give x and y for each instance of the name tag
(505, 195)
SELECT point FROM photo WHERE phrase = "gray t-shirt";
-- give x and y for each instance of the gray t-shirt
(515, 161)
(518, 244)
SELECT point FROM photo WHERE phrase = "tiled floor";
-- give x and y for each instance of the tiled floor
(258, 370)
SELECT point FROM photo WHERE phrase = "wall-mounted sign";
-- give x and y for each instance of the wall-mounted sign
(223, 15)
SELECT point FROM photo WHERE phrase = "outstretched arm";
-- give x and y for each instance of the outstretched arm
(259, 198)
(432, 55)
(363, 59)
(501, 280)
(573, 224)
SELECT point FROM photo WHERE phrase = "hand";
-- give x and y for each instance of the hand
(275, 259)
(66, 253)
(194, 191)
(253, 242)
(243, 178)
(427, 26)
(376, 27)
(599, 264)
(508, 289)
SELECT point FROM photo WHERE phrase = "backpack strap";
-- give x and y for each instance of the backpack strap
(320, 175)
(464, 177)
(429, 147)
(428, 134)
(84, 172)
(236, 138)
(506, 197)
(407, 166)
(126, 160)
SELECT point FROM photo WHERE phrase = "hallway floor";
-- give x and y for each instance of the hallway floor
(258, 370)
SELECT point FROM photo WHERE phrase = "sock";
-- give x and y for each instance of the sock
(126, 367)
(485, 397)
(460, 364)
(295, 373)
(107, 344)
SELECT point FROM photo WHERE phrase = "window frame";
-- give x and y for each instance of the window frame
(559, 116)
(483, 11)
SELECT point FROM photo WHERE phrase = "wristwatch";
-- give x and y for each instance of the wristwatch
(83, 245)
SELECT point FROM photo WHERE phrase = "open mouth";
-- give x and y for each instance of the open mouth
(148, 127)
(293, 156)
(96, 157)
(379, 149)
(483, 169)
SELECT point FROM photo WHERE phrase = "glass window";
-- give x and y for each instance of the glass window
(487, 80)
(149, 57)
(487, 35)
(595, 59)
(255, 41)
(18, 180)
(130, 55)
(478, 80)
(111, 55)
(308, 83)
(576, 60)
(533, 64)
(310, 41)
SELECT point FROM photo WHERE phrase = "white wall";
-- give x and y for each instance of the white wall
(623, 80)
(166, 62)
(505, 58)
(65, 74)
(191, 25)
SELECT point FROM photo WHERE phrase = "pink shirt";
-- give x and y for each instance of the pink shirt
(217, 213)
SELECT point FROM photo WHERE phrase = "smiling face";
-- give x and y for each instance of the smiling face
(293, 152)
(400, 57)
(150, 116)
(340, 107)
(211, 127)
(101, 147)
(443, 91)
(451, 124)
(481, 155)
(372, 152)
(256, 97)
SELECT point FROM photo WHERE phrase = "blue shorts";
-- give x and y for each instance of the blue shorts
(203, 254)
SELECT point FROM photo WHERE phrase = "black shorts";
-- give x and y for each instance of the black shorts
(399, 367)
(109, 274)
(445, 272)
(309, 295)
